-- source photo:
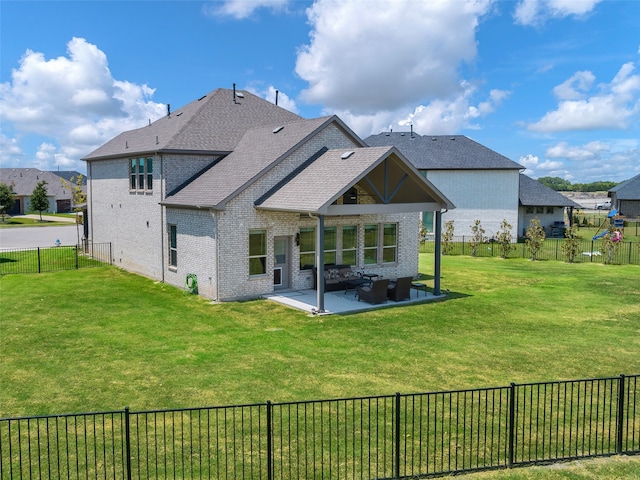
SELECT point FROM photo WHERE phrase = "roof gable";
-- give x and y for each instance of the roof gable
(259, 150)
(444, 152)
(382, 172)
(213, 123)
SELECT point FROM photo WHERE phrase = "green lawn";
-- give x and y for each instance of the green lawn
(102, 338)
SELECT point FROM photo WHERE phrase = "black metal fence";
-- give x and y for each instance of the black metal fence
(595, 251)
(51, 259)
(396, 436)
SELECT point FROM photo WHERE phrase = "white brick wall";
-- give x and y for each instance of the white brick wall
(486, 195)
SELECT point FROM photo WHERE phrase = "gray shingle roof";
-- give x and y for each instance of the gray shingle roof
(535, 194)
(444, 152)
(214, 123)
(259, 150)
(24, 180)
(628, 190)
(316, 187)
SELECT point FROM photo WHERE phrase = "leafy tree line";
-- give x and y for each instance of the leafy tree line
(562, 185)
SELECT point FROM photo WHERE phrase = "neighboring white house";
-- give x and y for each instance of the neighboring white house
(24, 180)
(248, 197)
(483, 184)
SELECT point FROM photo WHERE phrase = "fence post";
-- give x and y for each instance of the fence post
(620, 416)
(512, 421)
(39, 270)
(76, 249)
(127, 442)
(396, 469)
(269, 441)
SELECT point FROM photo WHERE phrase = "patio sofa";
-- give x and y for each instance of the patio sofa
(335, 277)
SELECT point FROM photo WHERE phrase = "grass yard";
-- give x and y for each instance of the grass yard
(102, 338)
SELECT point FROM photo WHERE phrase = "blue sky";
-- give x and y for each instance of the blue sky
(551, 84)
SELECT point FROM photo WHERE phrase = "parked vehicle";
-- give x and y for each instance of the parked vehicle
(604, 205)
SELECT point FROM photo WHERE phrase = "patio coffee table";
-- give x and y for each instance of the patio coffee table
(355, 283)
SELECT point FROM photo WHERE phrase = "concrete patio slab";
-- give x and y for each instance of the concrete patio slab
(341, 302)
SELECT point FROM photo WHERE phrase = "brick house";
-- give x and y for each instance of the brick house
(24, 180)
(249, 197)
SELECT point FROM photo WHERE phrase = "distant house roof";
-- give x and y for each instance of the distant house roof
(24, 180)
(259, 150)
(535, 194)
(444, 152)
(214, 123)
(628, 190)
(68, 175)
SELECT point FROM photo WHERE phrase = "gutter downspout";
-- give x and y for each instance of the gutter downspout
(438, 254)
(163, 218)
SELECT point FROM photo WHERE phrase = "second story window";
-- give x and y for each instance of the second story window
(141, 174)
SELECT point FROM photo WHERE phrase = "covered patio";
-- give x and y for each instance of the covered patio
(344, 303)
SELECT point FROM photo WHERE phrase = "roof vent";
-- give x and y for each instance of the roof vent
(433, 139)
(202, 97)
(453, 138)
(277, 129)
(239, 94)
(346, 155)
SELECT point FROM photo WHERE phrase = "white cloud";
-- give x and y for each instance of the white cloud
(240, 9)
(74, 101)
(550, 165)
(528, 161)
(283, 99)
(590, 151)
(613, 106)
(386, 67)
(536, 12)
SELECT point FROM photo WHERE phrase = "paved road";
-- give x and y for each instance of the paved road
(31, 237)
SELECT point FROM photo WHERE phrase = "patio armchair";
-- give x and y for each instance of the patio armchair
(374, 293)
(400, 289)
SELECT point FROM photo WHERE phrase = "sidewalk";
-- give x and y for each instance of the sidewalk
(48, 218)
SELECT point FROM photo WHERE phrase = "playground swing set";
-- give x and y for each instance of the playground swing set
(618, 224)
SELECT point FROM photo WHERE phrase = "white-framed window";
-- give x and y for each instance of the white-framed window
(349, 245)
(380, 243)
(390, 243)
(371, 242)
(307, 248)
(257, 252)
(330, 245)
(173, 246)
(141, 174)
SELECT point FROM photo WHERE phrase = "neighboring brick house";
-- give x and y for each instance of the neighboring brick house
(240, 192)
(481, 183)
(24, 180)
(625, 197)
(541, 202)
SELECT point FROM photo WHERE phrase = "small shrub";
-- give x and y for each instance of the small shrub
(505, 239)
(571, 245)
(535, 236)
(447, 238)
(477, 237)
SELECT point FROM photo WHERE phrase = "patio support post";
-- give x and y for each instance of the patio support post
(320, 262)
(438, 254)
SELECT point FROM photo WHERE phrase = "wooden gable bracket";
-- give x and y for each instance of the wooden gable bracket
(386, 197)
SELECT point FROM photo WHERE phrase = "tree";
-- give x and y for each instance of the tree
(535, 237)
(571, 245)
(611, 243)
(78, 197)
(477, 237)
(7, 198)
(447, 238)
(505, 239)
(39, 201)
